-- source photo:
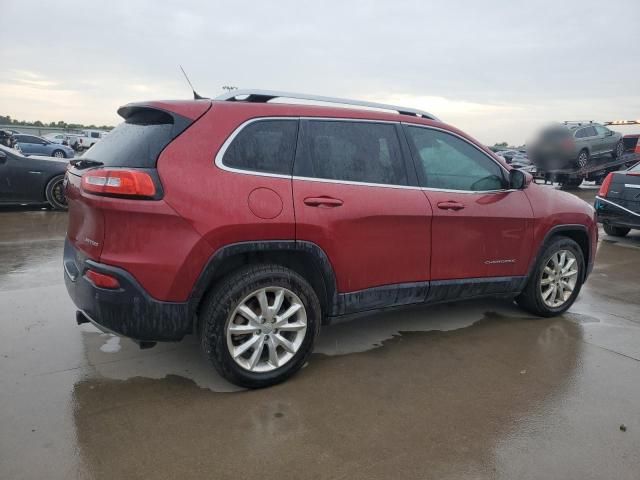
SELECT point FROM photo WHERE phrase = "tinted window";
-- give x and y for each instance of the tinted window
(448, 162)
(586, 132)
(28, 139)
(351, 151)
(139, 140)
(264, 146)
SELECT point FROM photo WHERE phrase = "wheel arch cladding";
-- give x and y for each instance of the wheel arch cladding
(577, 233)
(305, 258)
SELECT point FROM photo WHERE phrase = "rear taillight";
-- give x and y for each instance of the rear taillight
(604, 188)
(132, 183)
(101, 280)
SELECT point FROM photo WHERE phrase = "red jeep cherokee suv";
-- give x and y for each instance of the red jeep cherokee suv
(251, 223)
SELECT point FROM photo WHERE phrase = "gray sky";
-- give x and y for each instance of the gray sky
(497, 69)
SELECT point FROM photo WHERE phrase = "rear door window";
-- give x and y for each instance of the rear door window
(266, 146)
(354, 151)
(448, 162)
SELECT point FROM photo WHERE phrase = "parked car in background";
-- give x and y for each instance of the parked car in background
(31, 179)
(304, 197)
(87, 139)
(61, 137)
(574, 145)
(32, 145)
(618, 202)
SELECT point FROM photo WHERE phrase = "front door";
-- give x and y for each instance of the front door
(354, 198)
(481, 230)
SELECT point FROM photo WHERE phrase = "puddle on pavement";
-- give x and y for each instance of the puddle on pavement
(442, 387)
(121, 359)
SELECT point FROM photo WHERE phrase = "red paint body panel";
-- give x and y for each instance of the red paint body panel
(552, 208)
(378, 236)
(490, 237)
(214, 201)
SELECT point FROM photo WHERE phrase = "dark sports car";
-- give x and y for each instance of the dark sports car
(31, 179)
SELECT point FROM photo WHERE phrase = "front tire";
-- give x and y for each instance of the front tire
(555, 282)
(258, 326)
(615, 231)
(58, 154)
(54, 193)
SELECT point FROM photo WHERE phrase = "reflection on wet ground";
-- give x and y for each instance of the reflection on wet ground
(474, 390)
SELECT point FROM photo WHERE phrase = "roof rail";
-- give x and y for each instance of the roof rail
(263, 96)
(578, 122)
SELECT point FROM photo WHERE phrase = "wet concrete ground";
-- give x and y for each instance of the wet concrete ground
(473, 390)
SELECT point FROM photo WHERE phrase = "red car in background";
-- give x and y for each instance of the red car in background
(252, 223)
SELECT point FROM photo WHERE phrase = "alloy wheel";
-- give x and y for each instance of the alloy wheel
(266, 329)
(583, 158)
(559, 278)
(619, 150)
(58, 154)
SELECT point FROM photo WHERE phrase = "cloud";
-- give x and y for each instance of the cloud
(496, 69)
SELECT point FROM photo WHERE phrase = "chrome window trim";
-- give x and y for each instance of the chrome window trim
(220, 155)
(504, 169)
(631, 185)
(223, 149)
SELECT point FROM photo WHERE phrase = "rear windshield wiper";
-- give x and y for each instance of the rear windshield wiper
(83, 163)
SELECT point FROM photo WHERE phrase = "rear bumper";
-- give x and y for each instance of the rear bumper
(610, 212)
(129, 310)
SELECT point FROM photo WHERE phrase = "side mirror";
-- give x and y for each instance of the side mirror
(609, 133)
(517, 179)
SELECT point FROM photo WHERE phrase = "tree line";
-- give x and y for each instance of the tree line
(7, 120)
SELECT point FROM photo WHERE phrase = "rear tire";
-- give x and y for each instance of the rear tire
(618, 151)
(615, 231)
(553, 286)
(54, 193)
(235, 305)
(583, 159)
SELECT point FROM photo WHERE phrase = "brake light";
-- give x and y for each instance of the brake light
(105, 181)
(604, 188)
(101, 280)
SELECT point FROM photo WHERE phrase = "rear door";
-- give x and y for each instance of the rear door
(480, 229)
(21, 179)
(606, 139)
(355, 198)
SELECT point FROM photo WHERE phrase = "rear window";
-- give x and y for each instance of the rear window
(138, 141)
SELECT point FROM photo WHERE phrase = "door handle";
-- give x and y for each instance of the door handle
(323, 202)
(450, 205)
